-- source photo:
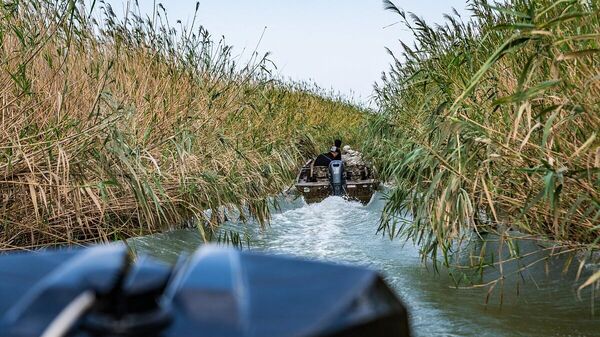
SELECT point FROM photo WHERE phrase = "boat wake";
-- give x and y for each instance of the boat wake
(322, 229)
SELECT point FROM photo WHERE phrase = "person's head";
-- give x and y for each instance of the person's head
(338, 143)
(335, 151)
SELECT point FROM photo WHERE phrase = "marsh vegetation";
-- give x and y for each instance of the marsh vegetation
(116, 126)
(489, 124)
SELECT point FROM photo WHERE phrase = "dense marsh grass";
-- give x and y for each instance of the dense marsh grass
(490, 124)
(113, 127)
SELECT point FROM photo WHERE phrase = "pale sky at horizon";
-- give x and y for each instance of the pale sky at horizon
(338, 44)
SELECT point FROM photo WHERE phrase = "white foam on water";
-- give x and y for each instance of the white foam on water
(319, 229)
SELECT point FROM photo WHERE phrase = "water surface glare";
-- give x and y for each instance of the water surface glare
(345, 232)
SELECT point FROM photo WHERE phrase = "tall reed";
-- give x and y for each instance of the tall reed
(119, 126)
(490, 124)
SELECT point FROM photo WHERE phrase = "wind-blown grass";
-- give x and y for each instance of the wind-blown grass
(490, 124)
(114, 127)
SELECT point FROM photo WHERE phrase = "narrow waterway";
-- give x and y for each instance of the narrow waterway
(345, 232)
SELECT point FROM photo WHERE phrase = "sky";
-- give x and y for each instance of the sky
(338, 44)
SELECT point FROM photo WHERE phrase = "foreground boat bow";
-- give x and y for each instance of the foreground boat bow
(217, 292)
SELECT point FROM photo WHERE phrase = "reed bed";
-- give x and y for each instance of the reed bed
(489, 124)
(112, 126)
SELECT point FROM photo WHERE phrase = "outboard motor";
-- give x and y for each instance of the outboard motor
(336, 177)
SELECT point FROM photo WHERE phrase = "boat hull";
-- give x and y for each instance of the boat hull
(361, 190)
(313, 183)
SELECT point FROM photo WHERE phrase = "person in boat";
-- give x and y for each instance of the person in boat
(338, 143)
(325, 158)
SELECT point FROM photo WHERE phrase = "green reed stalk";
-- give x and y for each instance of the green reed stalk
(490, 124)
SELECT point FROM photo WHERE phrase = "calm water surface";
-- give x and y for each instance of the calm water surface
(345, 232)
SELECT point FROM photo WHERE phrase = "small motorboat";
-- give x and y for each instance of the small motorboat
(217, 292)
(354, 181)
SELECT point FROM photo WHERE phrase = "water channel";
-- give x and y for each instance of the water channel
(544, 303)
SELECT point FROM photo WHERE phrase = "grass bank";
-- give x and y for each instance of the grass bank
(490, 123)
(114, 127)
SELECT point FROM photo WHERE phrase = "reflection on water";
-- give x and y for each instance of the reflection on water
(345, 232)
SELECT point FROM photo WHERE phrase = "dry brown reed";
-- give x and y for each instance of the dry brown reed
(115, 127)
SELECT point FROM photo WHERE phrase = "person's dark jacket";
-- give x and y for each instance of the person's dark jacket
(325, 158)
